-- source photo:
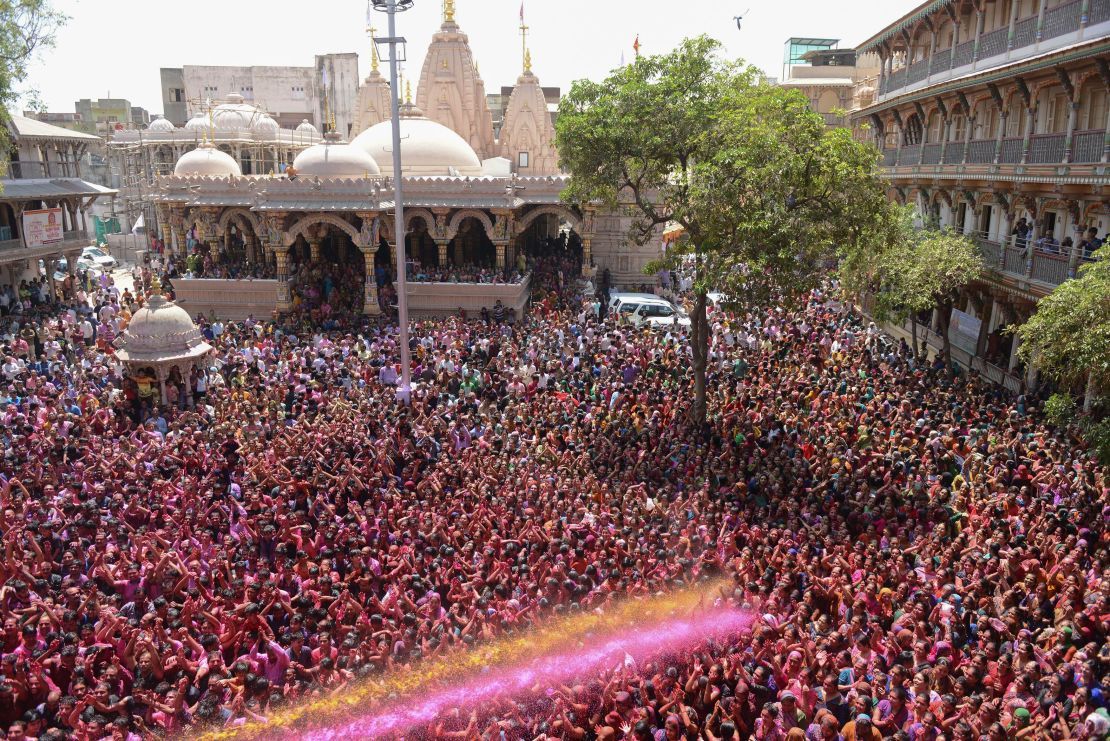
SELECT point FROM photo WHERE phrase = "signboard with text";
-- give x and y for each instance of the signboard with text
(42, 227)
(964, 331)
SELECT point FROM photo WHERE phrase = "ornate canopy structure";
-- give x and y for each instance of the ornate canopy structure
(160, 337)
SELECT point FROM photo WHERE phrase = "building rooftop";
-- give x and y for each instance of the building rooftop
(927, 7)
(29, 128)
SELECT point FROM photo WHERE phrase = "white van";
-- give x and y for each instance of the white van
(658, 313)
(622, 304)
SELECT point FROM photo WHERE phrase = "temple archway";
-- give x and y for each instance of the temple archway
(472, 245)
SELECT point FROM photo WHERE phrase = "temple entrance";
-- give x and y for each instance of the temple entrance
(420, 246)
(329, 282)
(550, 236)
(472, 247)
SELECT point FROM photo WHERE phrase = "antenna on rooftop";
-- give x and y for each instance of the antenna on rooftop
(740, 18)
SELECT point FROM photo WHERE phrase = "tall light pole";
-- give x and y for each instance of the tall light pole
(391, 8)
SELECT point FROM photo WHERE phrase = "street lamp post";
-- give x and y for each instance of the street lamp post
(391, 8)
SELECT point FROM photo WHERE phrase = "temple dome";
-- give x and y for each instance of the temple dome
(306, 127)
(235, 114)
(160, 124)
(427, 147)
(266, 127)
(158, 332)
(335, 159)
(198, 121)
(207, 161)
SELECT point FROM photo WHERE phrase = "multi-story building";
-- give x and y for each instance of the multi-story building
(104, 115)
(322, 94)
(44, 200)
(827, 76)
(992, 115)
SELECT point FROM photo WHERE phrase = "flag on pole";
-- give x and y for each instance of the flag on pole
(140, 225)
(636, 45)
(522, 13)
(325, 76)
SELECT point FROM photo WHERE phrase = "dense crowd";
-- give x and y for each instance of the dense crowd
(926, 559)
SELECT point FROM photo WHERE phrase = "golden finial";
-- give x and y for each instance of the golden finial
(448, 11)
(408, 93)
(527, 60)
(155, 285)
(373, 48)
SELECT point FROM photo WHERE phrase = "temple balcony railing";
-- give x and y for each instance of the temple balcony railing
(1087, 148)
(1027, 264)
(1062, 26)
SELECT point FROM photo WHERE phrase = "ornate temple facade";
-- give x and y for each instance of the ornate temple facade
(470, 198)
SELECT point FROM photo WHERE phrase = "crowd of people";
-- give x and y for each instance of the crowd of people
(923, 556)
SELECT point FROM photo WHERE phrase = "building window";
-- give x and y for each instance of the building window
(297, 92)
(177, 95)
(211, 91)
(522, 159)
(247, 91)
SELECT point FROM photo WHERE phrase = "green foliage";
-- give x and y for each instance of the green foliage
(1068, 336)
(765, 192)
(1094, 428)
(26, 27)
(925, 269)
(1060, 409)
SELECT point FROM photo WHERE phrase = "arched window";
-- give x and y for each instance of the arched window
(913, 130)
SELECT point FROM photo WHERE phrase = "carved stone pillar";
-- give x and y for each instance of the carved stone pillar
(370, 305)
(284, 292)
(587, 255)
(441, 246)
(248, 248)
(500, 247)
(314, 243)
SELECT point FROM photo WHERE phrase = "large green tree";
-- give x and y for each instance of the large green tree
(767, 195)
(1068, 336)
(26, 27)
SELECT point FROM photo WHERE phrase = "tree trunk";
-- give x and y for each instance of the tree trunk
(946, 345)
(913, 337)
(699, 324)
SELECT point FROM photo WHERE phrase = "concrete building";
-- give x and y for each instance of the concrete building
(826, 75)
(289, 94)
(110, 114)
(991, 115)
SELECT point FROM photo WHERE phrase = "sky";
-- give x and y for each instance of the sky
(114, 48)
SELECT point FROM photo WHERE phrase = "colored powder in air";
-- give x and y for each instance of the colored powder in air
(553, 652)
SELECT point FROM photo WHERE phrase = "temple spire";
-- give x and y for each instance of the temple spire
(371, 31)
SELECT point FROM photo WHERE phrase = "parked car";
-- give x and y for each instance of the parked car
(97, 259)
(623, 304)
(658, 313)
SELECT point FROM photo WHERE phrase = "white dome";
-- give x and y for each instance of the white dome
(266, 127)
(306, 127)
(160, 331)
(207, 161)
(199, 121)
(427, 148)
(160, 124)
(335, 159)
(235, 114)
